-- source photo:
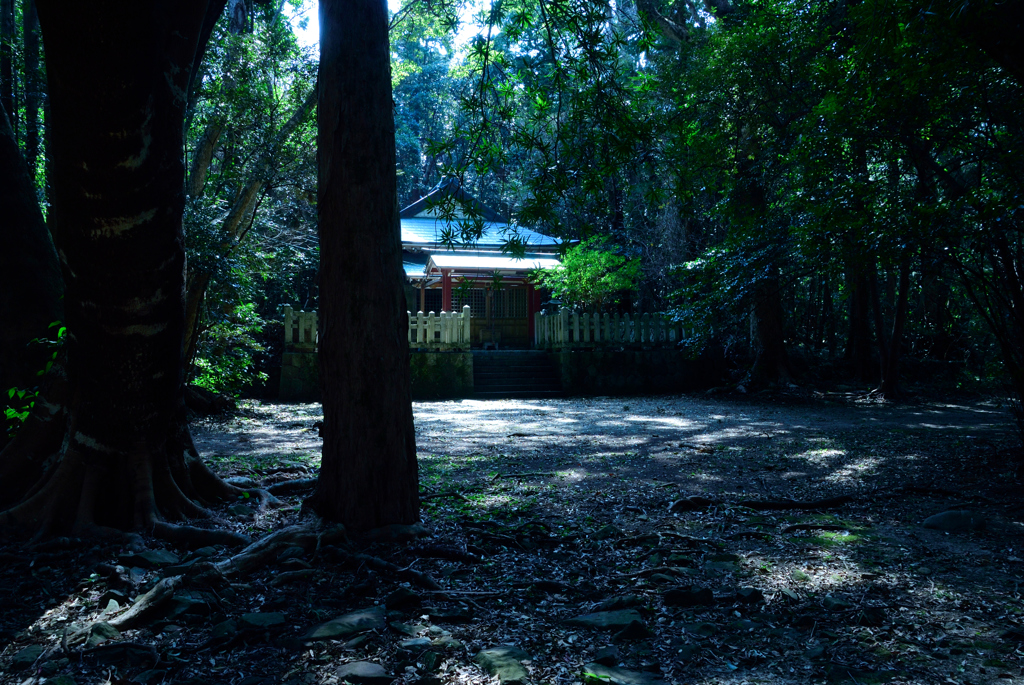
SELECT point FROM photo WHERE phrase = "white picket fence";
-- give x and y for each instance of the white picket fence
(430, 330)
(299, 327)
(568, 328)
(446, 329)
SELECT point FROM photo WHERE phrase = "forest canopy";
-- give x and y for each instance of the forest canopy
(824, 191)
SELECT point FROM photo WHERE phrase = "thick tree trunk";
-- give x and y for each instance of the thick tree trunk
(772, 362)
(368, 477)
(117, 77)
(858, 340)
(30, 33)
(30, 279)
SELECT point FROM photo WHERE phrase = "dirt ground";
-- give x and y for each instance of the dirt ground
(737, 540)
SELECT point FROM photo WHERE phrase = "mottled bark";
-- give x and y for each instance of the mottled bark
(368, 477)
(118, 74)
(30, 280)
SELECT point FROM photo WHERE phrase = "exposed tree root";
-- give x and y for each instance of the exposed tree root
(292, 487)
(190, 537)
(260, 552)
(91, 488)
(440, 495)
(449, 552)
(146, 608)
(142, 611)
(378, 564)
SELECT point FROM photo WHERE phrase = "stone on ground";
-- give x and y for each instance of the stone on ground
(606, 620)
(348, 625)
(26, 657)
(504, 662)
(151, 558)
(597, 674)
(955, 521)
(101, 632)
(749, 595)
(636, 630)
(616, 603)
(607, 656)
(364, 673)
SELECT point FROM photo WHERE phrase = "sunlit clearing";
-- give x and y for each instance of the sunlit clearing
(820, 457)
(854, 471)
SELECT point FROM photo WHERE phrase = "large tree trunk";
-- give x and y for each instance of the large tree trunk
(30, 280)
(118, 73)
(368, 477)
(771, 364)
(858, 340)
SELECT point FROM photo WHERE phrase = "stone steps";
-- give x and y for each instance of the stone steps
(514, 374)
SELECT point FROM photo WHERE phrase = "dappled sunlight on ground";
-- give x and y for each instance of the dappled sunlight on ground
(590, 496)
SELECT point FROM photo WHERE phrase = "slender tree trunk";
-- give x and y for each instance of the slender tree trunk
(890, 385)
(30, 33)
(368, 477)
(858, 340)
(202, 157)
(7, 60)
(240, 216)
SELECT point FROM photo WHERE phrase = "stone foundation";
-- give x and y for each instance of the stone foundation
(435, 376)
(631, 372)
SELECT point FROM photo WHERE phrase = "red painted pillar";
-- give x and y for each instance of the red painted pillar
(446, 290)
(530, 309)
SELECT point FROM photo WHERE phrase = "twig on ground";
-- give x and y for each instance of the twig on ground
(440, 495)
(524, 475)
(783, 504)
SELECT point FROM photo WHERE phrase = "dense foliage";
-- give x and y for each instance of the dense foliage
(827, 190)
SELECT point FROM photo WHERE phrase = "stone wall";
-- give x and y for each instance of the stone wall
(435, 376)
(300, 377)
(441, 375)
(625, 372)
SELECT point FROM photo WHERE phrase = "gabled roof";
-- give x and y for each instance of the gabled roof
(423, 227)
(449, 187)
(428, 234)
(476, 262)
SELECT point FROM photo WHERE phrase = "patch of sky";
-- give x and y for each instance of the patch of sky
(305, 20)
